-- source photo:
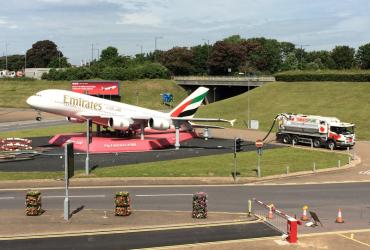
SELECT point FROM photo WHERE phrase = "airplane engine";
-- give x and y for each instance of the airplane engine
(159, 123)
(74, 120)
(119, 123)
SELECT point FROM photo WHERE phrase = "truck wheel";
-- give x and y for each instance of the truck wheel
(331, 145)
(285, 139)
(295, 140)
(316, 143)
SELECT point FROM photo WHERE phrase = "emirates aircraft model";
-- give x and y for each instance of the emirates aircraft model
(78, 108)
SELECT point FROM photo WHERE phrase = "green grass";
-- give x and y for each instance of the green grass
(326, 71)
(47, 131)
(14, 93)
(30, 175)
(272, 162)
(349, 101)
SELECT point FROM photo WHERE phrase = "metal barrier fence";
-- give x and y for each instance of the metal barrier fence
(225, 78)
(279, 220)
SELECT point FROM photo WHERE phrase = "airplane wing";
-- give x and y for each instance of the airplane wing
(87, 115)
(196, 125)
(203, 120)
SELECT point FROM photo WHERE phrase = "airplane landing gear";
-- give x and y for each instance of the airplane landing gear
(38, 117)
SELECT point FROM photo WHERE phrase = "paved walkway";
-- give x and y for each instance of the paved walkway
(88, 220)
(355, 240)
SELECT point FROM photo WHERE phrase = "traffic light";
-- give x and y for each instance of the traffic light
(237, 145)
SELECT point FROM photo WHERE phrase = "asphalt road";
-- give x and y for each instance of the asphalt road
(19, 125)
(146, 239)
(52, 160)
(324, 199)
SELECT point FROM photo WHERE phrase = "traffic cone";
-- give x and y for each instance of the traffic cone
(304, 216)
(339, 217)
(269, 216)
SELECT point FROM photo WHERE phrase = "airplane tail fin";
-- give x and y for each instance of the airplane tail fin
(190, 105)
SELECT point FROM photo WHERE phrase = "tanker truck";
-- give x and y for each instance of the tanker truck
(316, 130)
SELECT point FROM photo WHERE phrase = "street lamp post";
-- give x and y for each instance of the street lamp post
(301, 62)
(6, 55)
(155, 45)
(59, 56)
(248, 103)
(141, 48)
(207, 40)
(25, 62)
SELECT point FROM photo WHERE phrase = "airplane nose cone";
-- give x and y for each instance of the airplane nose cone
(31, 101)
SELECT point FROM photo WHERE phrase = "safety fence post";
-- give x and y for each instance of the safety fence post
(249, 208)
(314, 167)
(287, 169)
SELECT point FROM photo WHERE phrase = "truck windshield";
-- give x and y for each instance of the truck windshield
(342, 130)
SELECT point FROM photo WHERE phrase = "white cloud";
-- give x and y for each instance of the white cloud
(3, 22)
(143, 19)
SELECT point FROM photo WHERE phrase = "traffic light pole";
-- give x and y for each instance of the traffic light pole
(234, 160)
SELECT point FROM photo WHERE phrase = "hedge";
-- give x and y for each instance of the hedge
(146, 70)
(334, 76)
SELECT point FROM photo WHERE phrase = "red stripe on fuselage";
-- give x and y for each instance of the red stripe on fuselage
(178, 111)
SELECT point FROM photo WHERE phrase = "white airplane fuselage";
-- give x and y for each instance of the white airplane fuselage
(79, 106)
(119, 116)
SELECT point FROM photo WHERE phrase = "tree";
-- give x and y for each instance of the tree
(179, 60)
(322, 56)
(265, 57)
(290, 62)
(286, 49)
(108, 54)
(42, 53)
(343, 57)
(363, 56)
(200, 58)
(59, 62)
(15, 62)
(234, 39)
(226, 56)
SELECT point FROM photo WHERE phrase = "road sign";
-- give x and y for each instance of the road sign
(259, 143)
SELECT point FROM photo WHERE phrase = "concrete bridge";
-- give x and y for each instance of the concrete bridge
(223, 80)
(222, 87)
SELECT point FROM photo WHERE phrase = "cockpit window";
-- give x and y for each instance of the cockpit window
(342, 130)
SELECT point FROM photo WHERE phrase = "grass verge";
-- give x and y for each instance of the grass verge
(145, 93)
(348, 101)
(273, 162)
(45, 131)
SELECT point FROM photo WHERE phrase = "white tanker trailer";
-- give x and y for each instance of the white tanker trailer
(318, 130)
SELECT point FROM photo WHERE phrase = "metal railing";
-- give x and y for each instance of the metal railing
(225, 78)
(274, 219)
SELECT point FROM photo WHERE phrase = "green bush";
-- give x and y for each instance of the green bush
(325, 75)
(133, 72)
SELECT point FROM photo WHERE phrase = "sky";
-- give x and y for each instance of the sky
(77, 26)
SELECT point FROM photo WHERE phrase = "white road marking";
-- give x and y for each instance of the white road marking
(7, 198)
(159, 195)
(74, 196)
(366, 172)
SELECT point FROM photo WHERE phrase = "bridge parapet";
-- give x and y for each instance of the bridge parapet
(227, 78)
(223, 80)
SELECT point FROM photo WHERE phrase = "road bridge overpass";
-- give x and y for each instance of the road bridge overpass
(222, 87)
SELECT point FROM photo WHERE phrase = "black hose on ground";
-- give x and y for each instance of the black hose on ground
(272, 126)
